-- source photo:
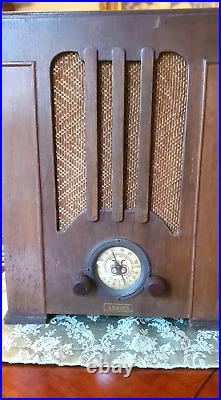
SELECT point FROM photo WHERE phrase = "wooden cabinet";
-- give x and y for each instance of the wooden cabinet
(110, 148)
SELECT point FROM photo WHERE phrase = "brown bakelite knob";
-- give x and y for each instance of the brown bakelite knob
(156, 286)
(83, 286)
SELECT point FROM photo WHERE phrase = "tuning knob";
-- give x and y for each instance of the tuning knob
(83, 286)
(156, 286)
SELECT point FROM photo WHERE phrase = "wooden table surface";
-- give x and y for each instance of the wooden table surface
(24, 381)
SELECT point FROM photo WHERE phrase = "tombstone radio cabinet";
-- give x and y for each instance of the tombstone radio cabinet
(110, 164)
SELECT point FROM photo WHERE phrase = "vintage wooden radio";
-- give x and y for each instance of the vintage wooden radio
(110, 164)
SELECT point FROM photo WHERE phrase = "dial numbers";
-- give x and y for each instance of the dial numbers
(118, 267)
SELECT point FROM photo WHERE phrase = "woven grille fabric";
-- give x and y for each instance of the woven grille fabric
(105, 133)
(131, 131)
(169, 112)
(69, 132)
(168, 125)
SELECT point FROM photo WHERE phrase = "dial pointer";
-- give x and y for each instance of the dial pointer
(123, 278)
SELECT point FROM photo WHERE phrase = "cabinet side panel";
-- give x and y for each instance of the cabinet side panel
(22, 235)
(205, 300)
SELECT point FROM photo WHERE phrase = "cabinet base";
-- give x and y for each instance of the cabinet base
(203, 323)
(12, 319)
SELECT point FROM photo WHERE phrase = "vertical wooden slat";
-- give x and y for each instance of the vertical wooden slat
(118, 68)
(22, 213)
(90, 57)
(141, 212)
(205, 267)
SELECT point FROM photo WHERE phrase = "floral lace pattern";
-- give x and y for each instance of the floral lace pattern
(124, 341)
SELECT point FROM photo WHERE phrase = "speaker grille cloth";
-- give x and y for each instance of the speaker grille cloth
(104, 133)
(169, 106)
(131, 131)
(132, 93)
(169, 110)
(69, 127)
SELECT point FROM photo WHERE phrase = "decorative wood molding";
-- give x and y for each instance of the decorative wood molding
(118, 61)
(144, 134)
(90, 55)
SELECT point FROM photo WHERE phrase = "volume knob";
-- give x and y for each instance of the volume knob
(156, 286)
(83, 286)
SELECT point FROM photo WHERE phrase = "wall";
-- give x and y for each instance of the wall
(56, 6)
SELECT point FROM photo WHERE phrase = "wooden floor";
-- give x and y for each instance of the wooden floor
(24, 381)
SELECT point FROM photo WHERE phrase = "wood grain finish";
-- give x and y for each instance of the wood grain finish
(118, 133)
(142, 202)
(72, 256)
(30, 381)
(205, 299)
(191, 34)
(21, 195)
(161, 30)
(90, 56)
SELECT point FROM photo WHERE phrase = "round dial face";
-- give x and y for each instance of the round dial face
(118, 267)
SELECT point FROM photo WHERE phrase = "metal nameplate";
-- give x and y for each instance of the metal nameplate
(118, 308)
